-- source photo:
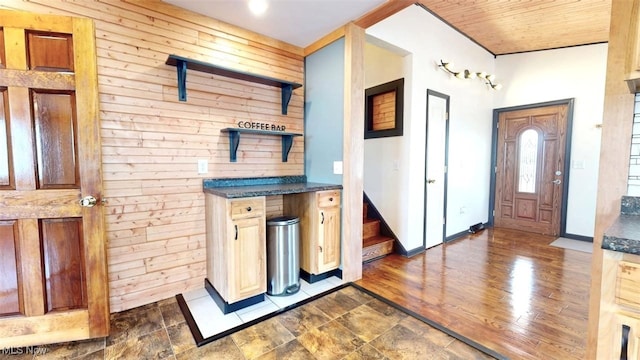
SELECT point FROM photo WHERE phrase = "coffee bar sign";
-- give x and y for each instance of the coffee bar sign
(260, 126)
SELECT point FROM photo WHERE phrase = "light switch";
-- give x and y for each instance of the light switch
(337, 167)
(577, 164)
(203, 166)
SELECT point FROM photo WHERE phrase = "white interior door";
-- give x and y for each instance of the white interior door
(436, 168)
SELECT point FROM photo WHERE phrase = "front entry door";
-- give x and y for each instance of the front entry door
(53, 282)
(530, 169)
(436, 168)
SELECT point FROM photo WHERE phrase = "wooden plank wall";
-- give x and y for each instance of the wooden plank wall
(151, 142)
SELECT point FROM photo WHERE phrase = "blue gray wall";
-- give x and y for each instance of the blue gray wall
(324, 112)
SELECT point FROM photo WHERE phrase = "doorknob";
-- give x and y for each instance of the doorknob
(431, 181)
(557, 181)
(88, 201)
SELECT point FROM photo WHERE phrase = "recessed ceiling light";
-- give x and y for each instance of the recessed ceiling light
(258, 7)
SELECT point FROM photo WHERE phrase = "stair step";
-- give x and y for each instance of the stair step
(370, 228)
(375, 247)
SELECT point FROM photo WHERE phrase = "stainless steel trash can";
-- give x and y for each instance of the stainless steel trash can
(283, 256)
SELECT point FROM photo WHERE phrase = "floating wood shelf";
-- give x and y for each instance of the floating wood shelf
(234, 140)
(182, 64)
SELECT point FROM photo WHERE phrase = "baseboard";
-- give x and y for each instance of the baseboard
(311, 278)
(461, 234)
(225, 306)
(578, 237)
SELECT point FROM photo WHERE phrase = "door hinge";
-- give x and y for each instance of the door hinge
(497, 125)
(495, 170)
(444, 221)
(493, 213)
(446, 116)
(445, 169)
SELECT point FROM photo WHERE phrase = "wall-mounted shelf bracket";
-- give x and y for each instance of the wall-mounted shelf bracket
(182, 64)
(234, 140)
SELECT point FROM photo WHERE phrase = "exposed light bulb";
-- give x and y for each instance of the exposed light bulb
(497, 86)
(459, 75)
(258, 7)
(469, 75)
(491, 77)
(482, 75)
(448, 66)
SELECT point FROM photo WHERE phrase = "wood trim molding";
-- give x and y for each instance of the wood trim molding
(382, 12)
(324, 41)
(372, 17)
(353, 150)
(614, 159)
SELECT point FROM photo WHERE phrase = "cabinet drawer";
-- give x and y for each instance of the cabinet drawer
(328, 198)
(247, 208)
(628, 284)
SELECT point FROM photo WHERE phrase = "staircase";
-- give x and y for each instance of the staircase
(374, 245)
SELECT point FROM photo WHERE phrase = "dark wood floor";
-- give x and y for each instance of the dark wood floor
(505, 289)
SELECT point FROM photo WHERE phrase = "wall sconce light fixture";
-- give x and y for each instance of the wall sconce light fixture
(488, 79)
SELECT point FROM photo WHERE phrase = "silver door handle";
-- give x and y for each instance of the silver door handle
(431, 181)
(557, 181)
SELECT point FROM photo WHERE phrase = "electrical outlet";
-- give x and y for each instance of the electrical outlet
(337, 167)
(203, 166)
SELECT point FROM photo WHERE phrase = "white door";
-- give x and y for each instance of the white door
(436, 168)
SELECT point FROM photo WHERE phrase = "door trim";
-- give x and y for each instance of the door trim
(446, 173)
(567, 151)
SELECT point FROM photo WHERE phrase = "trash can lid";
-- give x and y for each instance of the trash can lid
(283, 220)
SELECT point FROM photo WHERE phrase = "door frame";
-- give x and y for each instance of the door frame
(446, 164)
(567, 152)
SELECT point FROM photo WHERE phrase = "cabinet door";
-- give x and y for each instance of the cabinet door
(328, 239)
(247, 266)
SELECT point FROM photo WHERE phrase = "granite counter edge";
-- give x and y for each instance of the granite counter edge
(268, 190)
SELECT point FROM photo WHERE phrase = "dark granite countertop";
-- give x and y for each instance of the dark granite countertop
(248, 187)
(624, 234)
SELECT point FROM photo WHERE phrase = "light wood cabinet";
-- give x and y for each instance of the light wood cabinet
(236, 247)
(320, 218)
(620, 307)
(633, 56)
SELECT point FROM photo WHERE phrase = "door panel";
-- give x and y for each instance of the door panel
(55, 132)
(435, 168)
(329, 239)
(53, 249)
(63, 263)
(9, 292)
(530, 166)
(6, 175)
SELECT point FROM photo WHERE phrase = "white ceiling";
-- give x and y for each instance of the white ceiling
(297, 22)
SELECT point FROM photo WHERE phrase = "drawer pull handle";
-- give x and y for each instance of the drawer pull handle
(248, 208)
(322, 221)
(236, 226)
(330, 199)
(320, 247)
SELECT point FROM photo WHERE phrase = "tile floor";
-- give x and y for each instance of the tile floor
(211, 321)
(346, 324)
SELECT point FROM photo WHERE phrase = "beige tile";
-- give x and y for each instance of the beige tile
(330, 341)
(302, 319)
(427, 331)
(133, 323)
(223, 348)
(387, 310)
(181, 338)
(292, 350)
(402, 343)
(366, 352)
(155, 345)
(261, 338)
(366, 323)
(71, 350)
(171, 313)
(336, 304)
